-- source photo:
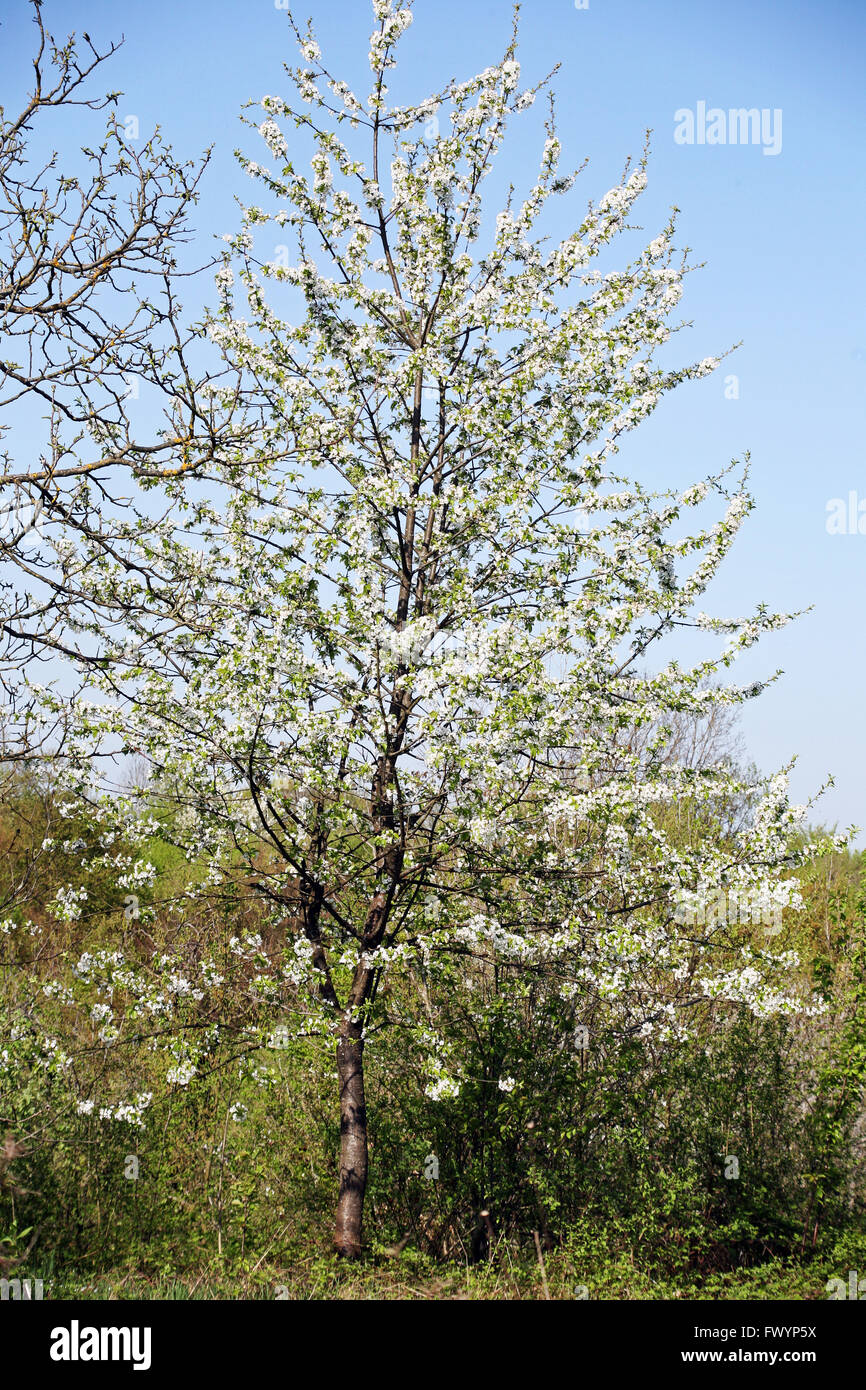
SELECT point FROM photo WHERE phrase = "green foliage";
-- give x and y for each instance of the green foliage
(617, 1154)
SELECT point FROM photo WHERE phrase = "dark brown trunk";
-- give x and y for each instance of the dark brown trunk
(353, 1142)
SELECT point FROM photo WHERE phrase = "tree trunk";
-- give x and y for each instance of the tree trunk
(353, 1142)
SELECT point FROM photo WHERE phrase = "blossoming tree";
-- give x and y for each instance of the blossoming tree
(91, 242)
(388, 663)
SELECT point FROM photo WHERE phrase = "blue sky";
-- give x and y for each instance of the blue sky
(782, 237)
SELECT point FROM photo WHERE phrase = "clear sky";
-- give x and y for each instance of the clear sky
(783, 236)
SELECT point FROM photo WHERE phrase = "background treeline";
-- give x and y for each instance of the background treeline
(728, 1164)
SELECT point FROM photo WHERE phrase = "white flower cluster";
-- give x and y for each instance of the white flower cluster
(273, 137)
(69, 903)
(129, 1112)
(394, 23)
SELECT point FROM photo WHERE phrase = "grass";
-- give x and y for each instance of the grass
(510, 1276)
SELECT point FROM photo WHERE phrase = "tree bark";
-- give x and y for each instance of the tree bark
(353, 1142)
